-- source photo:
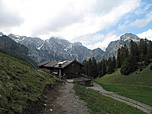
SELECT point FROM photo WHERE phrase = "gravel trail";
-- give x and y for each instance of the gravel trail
(136, 104)
(66, 102)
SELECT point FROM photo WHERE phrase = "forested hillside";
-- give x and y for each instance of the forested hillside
(134, 58)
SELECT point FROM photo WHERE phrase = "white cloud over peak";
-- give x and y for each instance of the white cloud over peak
(147, 34)
(93, 22)
(99, 40)
(74, 20)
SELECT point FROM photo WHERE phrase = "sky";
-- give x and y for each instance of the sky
(94, 23)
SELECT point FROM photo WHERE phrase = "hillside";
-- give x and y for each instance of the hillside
(19, 84)
(137, 85)
(137, 78)
(10, 47)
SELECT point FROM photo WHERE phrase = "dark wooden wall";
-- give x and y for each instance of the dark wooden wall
(73, 70)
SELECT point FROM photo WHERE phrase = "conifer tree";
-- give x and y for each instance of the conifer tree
(142, 49)
(94, 72)
(134, 49)
(125, 68)
(149, 50)
(113, 62)
(103, 70)
(89, 63)
(109, 66)
(118, 59)
(133, 56)
(85, 67)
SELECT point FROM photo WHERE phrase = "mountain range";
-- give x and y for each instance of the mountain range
(60, 49)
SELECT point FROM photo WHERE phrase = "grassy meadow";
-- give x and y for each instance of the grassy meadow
(137, 86)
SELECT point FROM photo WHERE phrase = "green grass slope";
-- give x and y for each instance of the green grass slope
(99, 104)
(137, 86)
(19, 83)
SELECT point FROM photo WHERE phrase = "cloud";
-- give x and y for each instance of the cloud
(90, 40)
(8, 17)
(106, 40)
(143, 17)
(99, 40)
(92, 21)
(143, 8)
(74, 20)
(147, 34)
(139, 23)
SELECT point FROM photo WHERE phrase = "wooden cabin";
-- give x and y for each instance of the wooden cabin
(67, 69)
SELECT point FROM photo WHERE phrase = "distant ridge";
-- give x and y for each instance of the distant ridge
(60, 49)
(56, 49)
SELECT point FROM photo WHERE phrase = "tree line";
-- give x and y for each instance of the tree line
(128, 59)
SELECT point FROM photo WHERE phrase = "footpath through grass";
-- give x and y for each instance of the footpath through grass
(99, 104)
(137, 86)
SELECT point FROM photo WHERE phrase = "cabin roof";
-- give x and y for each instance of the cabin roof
(57, 64)
(43, 63)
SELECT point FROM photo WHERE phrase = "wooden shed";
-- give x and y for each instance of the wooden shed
(67, 69)
(83, 81)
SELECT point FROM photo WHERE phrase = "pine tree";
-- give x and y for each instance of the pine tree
(149, 50)
(109, 66)
(94, 72)
(89, 64)
(99, 69)
(113, 62)
(125, 68)
(142, 49)
(146, 60)
(133, 56)
(130, 61)
(134, 50)
(118, 59)
(103, 70)
(85, 67)
(126, 52)
(145, 47)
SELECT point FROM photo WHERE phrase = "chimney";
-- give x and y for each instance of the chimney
(60, 65)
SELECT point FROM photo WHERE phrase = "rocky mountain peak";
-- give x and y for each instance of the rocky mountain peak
(1, 34)
(129, 36)
(77, 44)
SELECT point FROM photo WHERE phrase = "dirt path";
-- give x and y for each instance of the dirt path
(136, 104)
(65, 102)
